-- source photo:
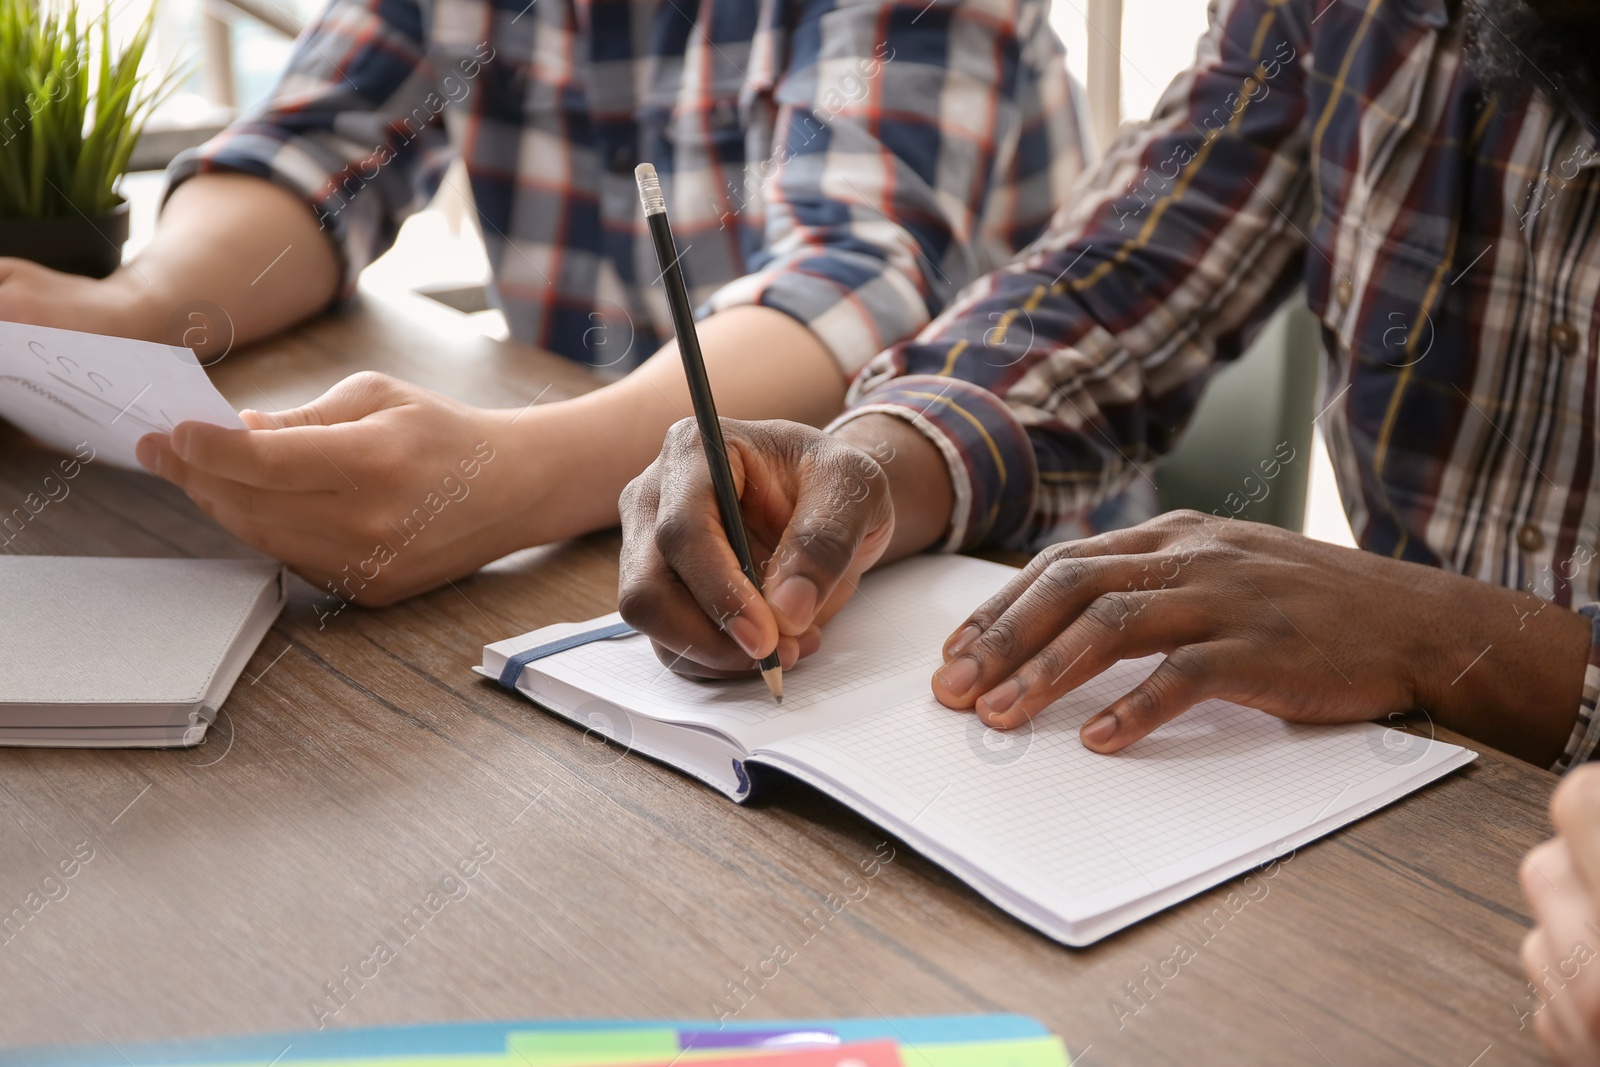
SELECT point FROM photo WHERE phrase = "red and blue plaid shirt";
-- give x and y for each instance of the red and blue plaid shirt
(1449, 242)
(850, 164)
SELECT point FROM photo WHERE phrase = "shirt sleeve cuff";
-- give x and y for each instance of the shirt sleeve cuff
(856, 305)
(989, 453)
(1586, 731)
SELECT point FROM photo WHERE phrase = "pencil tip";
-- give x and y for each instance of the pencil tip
(773, 676)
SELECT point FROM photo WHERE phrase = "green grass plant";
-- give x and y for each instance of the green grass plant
(72, 105)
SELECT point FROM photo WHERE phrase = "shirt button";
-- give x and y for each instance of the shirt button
(1344, 292)
(1529, 537)
(622, 160)
(1565, 338)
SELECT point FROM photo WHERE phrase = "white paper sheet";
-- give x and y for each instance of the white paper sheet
(887, 639)
(67, 388)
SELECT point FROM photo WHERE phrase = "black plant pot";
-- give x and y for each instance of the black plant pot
(76, 244)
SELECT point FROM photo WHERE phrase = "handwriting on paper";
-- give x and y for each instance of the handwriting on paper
(65, 388)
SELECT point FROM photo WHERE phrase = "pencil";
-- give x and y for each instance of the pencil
(705, 408)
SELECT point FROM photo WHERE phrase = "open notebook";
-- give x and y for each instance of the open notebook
(1075, 844)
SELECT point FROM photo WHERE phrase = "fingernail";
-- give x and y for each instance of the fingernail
(960, 675)
(999, 699)
(1099, 731)
(146, 452)
(961, 642)
(746, 633)
(796, 597)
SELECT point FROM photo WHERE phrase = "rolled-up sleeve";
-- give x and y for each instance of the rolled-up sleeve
(1586, 730)
(352, 127)
(903, 132)
(986, 448)
(1166, 258)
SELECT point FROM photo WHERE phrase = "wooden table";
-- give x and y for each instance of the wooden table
(357, 764)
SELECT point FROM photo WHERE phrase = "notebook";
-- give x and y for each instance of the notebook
(1075, 844)
(135, 653)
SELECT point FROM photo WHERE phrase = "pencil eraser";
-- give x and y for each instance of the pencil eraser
(650, 189)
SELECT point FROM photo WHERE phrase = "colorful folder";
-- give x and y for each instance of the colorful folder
(931, 1041)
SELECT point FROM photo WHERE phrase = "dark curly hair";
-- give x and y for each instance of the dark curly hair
(1517, 48)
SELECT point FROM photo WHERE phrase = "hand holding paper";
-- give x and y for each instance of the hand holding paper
(375, 491)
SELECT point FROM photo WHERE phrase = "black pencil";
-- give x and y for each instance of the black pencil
(705, 408)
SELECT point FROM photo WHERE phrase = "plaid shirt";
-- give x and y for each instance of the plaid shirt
(1449, 243)
(850, 164)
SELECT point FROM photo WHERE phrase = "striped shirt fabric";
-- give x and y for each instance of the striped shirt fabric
(852, 164)
(1448, 240)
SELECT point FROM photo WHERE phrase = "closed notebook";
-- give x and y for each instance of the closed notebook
(109, 653)
(1075, 844)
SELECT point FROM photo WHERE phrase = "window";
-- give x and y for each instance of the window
(1126, 51)
(230, 51)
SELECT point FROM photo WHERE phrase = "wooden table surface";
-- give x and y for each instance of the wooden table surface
(357, 764)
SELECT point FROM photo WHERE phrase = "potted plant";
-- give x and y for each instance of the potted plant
(71, 107)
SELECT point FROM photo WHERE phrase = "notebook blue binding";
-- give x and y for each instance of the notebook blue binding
(514, 665)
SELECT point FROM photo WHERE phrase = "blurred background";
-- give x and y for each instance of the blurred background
(1124, 52)
(237, 47)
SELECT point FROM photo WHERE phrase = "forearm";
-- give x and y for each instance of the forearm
(1509, 667)
(238, 242)
(762, 364)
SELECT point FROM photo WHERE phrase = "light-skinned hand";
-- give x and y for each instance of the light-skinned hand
(42, 297)
(1561, 955)
(376, 490)
(818, 513)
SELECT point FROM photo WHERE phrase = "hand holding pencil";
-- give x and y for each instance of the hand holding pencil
(705, 407)
(703, 537)
(818, 516)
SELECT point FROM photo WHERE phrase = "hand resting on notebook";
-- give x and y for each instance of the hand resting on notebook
(1300, 629)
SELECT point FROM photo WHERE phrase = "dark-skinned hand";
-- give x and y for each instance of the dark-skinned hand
(817, 512)
(1300, 629)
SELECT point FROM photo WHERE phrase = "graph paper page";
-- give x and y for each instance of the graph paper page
(882, 647)
(1033, 820)
(1080, 833)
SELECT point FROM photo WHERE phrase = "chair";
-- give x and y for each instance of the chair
(1248, 412)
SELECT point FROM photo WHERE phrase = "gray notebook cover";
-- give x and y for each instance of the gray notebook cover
(134, 651)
